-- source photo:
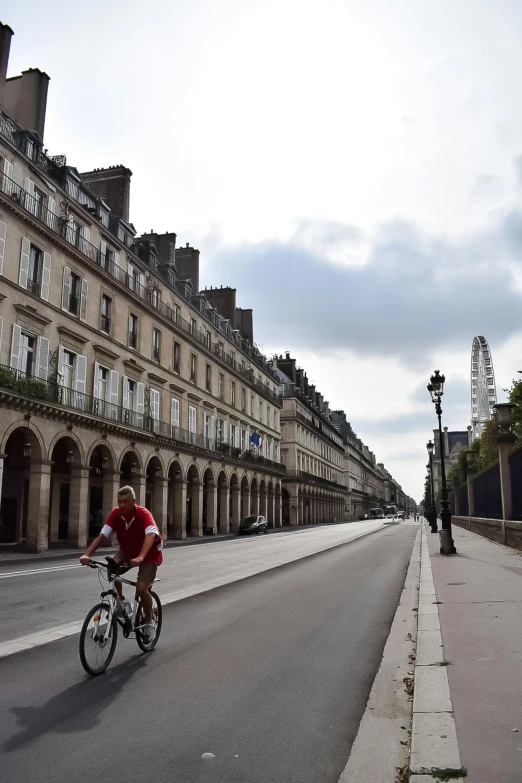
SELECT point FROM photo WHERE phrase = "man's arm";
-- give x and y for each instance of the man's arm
(98, 541)
(147, 543)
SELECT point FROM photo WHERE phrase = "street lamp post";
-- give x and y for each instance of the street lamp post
(433, 509)
(436, 390)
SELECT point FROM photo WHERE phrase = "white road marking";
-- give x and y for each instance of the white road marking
(11, 574)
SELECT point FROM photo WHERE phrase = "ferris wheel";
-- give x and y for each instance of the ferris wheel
(483, 389)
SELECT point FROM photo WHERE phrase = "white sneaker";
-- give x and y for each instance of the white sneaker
(128, 608)
(149, 632)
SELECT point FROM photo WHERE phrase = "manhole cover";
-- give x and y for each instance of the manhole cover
(455, 583)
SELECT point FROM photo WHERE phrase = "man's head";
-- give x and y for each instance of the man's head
(126, 500)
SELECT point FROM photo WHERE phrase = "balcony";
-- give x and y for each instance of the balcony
(18, 384)
(311, 478)
(59, 226)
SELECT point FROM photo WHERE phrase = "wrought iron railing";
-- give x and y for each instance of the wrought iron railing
(20, 383)
(59, 225)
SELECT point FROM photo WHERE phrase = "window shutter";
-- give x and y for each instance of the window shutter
(211, 432)
(141, 292)
(117, 271)
(60, 364)
(24, 263)
(80, 381)
(46, 277)
(125, 399)
(174, 412)
(51, 218)
(224, 431)
(113, 385)
(131, 277)
(103, 254)
(30, 202)
(42, 359)
(66, 288)
(15, 346)
(8, 171)
(69, 234)
(83, 300)
(155, 404)
(140, 398)
(3, 234)
(96, 378)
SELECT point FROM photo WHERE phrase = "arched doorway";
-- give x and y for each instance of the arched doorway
(285, 506)
(270, 505)
(209, 503)
(130, 474)
(69, 494)
(254, 497)
(223, 507)
(194, 512)
(278, 506)
(156, 492)
(245, 498)
(20, 496)
(235, 503)
(177, 505)
(102, 484)
(263, 499)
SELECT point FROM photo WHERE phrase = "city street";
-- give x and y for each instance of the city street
(269, 674)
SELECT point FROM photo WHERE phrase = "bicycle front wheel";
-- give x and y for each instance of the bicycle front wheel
(98, 639)
(157, 617)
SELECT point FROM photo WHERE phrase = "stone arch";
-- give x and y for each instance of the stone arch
(24, 503)
(209, 502)
(254, 495)
(105, 445)
(69, 434)
(263, 504)
(26, 425)
(176, 500)
(245, 497)
(155, 487)
(235, 502)
(135, 453)
(155, 456)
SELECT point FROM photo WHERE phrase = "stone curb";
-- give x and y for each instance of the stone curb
(40, 638)
(381, 745)
(434, 742)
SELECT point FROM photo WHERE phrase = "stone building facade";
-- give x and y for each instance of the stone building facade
(114, 367)
(311, 449)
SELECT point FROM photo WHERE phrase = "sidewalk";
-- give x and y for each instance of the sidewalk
(479, 598)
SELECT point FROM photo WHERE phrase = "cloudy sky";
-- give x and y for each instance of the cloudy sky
(353, 168)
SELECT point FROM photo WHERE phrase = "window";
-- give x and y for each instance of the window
(193, 326)
(243, 440)
(261, 411)
(208, 340)
(106, 304)
(233, 435)
(176, 313)
(233, 393)
(242, 366)
(156, 344)
(154, 297)
(193, 367)
(207, 425)
(39, 201)
(27, 354)
(220, 348)
(269, 415)
(35, 270)
(107, 257)
(208, 377)
(221, 385)
(131, 394)
(133, 409)
(74, 293)
(252, 404)
(174, 412)
(220, 431)
(233, 358)
(243, 398)
(177, 357)
(192, 423)
(133, 278)
(133, 330)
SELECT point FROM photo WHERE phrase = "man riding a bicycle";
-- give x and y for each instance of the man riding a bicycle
(140, 544)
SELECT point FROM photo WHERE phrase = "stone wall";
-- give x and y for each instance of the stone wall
(506, 532)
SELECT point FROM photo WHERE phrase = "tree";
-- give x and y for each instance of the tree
(515, 397)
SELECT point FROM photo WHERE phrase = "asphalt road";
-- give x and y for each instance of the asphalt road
(270, 675)
(42, 595)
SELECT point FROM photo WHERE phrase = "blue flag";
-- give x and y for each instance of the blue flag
(255, 439)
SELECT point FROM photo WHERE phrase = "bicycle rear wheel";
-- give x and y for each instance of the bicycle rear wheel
(157, 616)
(96, 651)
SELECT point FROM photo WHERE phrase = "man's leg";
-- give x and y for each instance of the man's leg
(119, 558)
(146, 576)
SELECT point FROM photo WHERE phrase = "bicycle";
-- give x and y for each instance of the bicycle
(101, 623)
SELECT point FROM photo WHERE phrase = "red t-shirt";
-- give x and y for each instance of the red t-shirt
(131, 530)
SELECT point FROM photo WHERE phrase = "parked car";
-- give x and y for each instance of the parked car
(253, 524)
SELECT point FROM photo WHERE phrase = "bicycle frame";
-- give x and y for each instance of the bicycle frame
(114, 601)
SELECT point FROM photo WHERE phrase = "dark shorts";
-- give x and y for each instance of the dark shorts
(146, 571)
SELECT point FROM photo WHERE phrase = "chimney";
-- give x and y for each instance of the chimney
(287, 366)
(224, 300)
(187, 265)
(245, 323)
(25, 99)
(112, 185)
(5, 45)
